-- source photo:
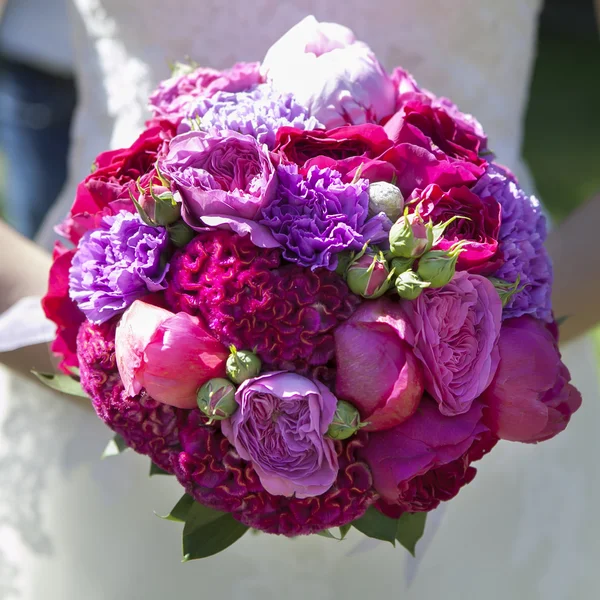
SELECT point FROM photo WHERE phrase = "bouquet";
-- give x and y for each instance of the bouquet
(309, 293)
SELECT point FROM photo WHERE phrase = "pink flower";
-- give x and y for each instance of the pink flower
(280, 428)
(530, 398)
(456, 333)
(400, 457)
(337, 78)
(376, 369)
(480, 228)
(169, 355)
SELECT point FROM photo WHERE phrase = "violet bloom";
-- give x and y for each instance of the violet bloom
(117, 264)
(259, 112)
(521, 241)
(317, 216)
(280, 428)
(222, 182)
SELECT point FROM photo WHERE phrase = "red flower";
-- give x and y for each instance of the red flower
(106, 190)
(60, 309)
(480, 228)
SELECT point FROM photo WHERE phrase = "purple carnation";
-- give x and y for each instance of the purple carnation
(522, 235)
(117, 264)
(259, 112)
(317, 216)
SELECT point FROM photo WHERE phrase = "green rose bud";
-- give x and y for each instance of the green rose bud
(180, 234)
(216, 399)
(369, 275)
(346, 421)
(410, 236)
(410, 286)
(438, 266)
(242, 365)
(506, 290)
(385, 198)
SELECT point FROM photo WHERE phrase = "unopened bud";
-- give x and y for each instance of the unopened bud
(410, 236)
(346, 421)
(242, 365)
(438, 266)
(386, 198)
(410, 286)
(369, 275)
(216, 399)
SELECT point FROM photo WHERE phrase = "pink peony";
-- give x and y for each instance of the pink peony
(169, 355)
(337, 78)
(280, 428)
(530, 398)
(456, 333)
(400, 458)
(376, 369)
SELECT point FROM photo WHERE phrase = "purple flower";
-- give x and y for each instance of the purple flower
(456, 331)
(521, 241)
(222, 182)
(117, 264)
(259, 112)
(317, 216)
(280, 428)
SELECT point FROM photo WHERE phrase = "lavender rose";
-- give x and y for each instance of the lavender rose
(259, 112)
(222, 181)
(116, 264)
(280, 428)
(317, 216)
(456, 333)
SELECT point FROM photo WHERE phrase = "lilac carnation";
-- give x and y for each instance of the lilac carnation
(522, 235)
(117, 264)
(259, 113)
(317, 216)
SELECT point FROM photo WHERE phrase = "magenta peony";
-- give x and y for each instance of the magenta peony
(530, 398)
(169, 355)
(280, 428)
(456, 332)
(376, 369)
(399, 457)
(337, 78)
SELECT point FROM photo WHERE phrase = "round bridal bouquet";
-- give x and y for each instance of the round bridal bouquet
(309, 293)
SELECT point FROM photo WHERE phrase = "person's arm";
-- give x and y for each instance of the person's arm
(576, 293)
(23, 272)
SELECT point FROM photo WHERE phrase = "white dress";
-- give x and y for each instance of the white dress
(74, 527)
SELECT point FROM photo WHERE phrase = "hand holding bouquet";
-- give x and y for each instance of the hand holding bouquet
(309, 293)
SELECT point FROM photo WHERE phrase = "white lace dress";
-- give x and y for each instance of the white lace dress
(73, 527)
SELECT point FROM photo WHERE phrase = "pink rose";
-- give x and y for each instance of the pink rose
(480, 227)
(376, 369)
(169, 355)
(426, 459)
(280, 428)
(456, 333)
(530, 398)
(337, 78)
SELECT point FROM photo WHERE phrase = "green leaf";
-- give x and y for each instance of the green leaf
(410, 529)
(74, 371)
(62, 383)
(208, 532)
(344, 529)
(327, 534)
(156, 470)
(115, 447)
(561, 320)
(377, 525)
(180, 511)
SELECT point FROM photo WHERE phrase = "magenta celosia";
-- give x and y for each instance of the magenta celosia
(214, 474)
(287, 313)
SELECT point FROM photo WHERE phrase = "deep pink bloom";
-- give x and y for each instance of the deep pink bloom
(169, 355)
(376, 369)
(60, 309)
(530, 398)
(480, 227)
(280, 428)
(456, 333)
(399, 458)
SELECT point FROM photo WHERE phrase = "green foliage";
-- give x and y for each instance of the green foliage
(61, 383)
